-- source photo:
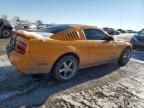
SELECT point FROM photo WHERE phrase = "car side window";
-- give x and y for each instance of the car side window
(95, 34)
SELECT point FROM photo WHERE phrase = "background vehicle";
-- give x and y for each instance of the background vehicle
(121, 30)
(111, 31)
(138, 40)
(117, 32)
(131, 31)
(5, 29)
(61, 50)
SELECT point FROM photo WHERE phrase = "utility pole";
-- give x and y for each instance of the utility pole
(121, 18)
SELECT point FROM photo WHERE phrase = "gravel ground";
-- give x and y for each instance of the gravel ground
(108, 86)
(120, 89)
(3, 44)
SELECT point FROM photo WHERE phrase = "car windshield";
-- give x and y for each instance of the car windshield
(54, 28)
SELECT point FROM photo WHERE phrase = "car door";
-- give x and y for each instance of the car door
(100, 49)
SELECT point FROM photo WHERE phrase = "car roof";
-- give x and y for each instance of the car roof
(76, 26)
(80, 26)
(62, 27)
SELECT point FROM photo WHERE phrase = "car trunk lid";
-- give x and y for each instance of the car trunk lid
(34, 35)
(21, 39)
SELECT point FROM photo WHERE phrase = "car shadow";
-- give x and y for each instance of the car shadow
(13, 81)
(29, 92)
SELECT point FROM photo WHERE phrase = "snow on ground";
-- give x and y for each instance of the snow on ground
(4, 61)
(101, 86)
(125, 93)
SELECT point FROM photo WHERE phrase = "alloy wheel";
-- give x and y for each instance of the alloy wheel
(126, 55)
(67, 69)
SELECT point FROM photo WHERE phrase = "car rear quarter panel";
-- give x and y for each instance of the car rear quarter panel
(47, 52)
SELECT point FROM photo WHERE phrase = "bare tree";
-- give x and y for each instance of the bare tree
(16, 18)
(4, 17)
(39, 22)
(26, 22)
(17, 22)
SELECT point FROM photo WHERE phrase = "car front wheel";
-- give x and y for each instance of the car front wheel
(125, 57)
(66, 68)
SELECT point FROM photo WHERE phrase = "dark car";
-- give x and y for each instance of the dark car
(131, 31)
(5, 28)
(122, 31)
(111, 31)
(138, 40)
(117, 32)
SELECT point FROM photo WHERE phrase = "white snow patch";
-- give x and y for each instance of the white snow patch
(4, 61)
(38, 35)
(140, 61)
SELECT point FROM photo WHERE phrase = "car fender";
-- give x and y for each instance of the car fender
(126, 45)
(67, 50)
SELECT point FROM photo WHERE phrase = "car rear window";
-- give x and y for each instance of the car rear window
(54, 28)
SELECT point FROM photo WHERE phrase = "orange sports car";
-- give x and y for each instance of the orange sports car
(60, 50)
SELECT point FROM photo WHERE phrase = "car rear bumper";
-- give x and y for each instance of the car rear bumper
(25, 64)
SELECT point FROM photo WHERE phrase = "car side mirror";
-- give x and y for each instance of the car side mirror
(110, 38)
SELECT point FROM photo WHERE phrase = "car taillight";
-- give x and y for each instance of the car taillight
(21, 47)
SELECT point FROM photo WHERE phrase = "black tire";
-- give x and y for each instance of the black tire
(125, 57)
(6, 32)
(60, 74)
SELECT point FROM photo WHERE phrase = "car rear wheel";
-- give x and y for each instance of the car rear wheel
(6, 32)
(125, 57)
(66, 68)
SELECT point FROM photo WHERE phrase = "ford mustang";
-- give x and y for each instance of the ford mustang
(60, 50)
